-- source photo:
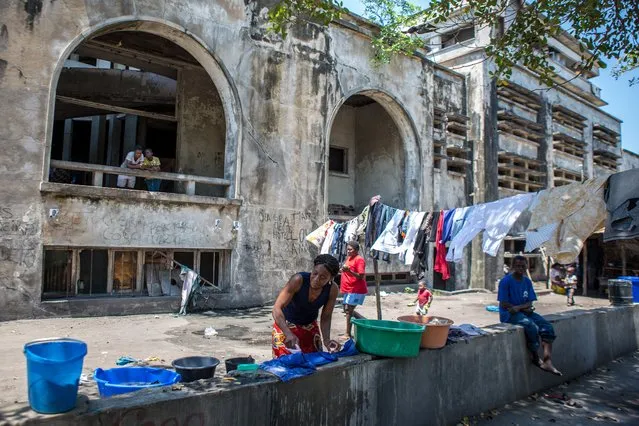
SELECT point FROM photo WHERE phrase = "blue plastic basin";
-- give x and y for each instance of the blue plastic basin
(53, 373)
(116, 381)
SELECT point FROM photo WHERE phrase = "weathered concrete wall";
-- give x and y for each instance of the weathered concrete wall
(341, 187)
(629, 160)
(447, 384)
(379, 164)
(279, 100)
(201, 129)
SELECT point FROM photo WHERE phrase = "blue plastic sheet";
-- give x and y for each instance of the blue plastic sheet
(296, 365)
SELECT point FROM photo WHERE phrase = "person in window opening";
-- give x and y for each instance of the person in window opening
(133, 160)
(516, 296)
(297, 307)
(151, 163)
(353, 284)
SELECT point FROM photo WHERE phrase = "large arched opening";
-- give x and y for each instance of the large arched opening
(143, 84)
(373, 150)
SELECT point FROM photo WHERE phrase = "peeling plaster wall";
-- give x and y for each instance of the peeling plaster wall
(629, 160)
(379, 159)
(201, 129)
(278, 97)
(341, 187)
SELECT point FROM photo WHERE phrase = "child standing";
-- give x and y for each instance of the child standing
(571, 285)
(424, 299)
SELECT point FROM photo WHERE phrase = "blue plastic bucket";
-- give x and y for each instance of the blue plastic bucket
(116, 381)
(53, 373)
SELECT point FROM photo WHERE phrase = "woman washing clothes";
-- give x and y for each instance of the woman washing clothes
(297, 307)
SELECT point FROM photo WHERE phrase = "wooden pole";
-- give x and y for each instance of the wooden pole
(548, 281)
(378, 283)
(584, 269)
(623, 258)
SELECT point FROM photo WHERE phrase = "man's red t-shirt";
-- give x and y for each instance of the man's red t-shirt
(350, 284)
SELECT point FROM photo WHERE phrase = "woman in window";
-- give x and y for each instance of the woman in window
(297, 307)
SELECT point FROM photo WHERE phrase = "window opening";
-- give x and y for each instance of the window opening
(94, 267)
(338, 160)
(58, 281)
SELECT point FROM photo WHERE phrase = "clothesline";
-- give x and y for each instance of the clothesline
(562, 218)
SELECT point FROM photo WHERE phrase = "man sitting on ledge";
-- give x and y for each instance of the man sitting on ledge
(516, 296)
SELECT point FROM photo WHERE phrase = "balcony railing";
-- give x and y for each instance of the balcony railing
(98, 171)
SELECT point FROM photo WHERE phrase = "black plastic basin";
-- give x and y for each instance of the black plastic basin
(232, 363)
(193, 368)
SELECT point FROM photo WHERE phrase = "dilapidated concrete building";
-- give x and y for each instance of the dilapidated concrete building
(260, 140)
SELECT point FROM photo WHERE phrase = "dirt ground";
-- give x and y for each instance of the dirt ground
(240, 333)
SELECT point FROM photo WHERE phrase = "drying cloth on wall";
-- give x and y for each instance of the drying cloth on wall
(191, 282)
(577, 209)
(318, 236)
(441, 265)
(387, 241)
(288, 367)
(622, 204)
(463, 332)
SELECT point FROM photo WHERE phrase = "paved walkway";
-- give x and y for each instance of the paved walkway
(609, 395)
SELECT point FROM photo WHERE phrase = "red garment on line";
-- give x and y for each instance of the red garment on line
(441, 265)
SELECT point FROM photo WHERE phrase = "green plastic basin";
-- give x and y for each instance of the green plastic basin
(388, 338)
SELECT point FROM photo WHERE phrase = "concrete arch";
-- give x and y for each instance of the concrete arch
(408, 133)
(193, 45)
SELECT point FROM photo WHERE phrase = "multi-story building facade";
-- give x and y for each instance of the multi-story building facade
(260, 140)
(526, 136)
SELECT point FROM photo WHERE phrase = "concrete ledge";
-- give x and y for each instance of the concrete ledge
(444, 385)
(101, 306)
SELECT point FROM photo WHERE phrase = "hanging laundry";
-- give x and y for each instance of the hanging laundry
(473, 225)
(328, 241)
(433, 229)
(577, 209)
(387, 241)
(448, 225)
(495, 219)
(350, 232)
(317, 236)
(441, 265)
(373, 212)
(414, 221)
(501, 216)
(420, 248)
(362, 221)
(622, 204)
(535, 239)
(191, 282)
(458, 220)
(402, 228)
(338, 248)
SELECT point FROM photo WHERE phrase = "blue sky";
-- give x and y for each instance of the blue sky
(617, 93)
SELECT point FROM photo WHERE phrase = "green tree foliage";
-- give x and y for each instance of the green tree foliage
(520, 29)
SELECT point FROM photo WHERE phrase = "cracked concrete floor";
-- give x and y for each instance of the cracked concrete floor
(240, 333)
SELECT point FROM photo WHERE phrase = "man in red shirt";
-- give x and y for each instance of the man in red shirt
(353, 283)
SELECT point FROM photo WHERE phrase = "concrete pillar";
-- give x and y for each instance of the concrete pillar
(588, 167)
(96, 148)
(67, 142)
(141, 133)
(114, 157)
(130, 132)
(546, 152)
